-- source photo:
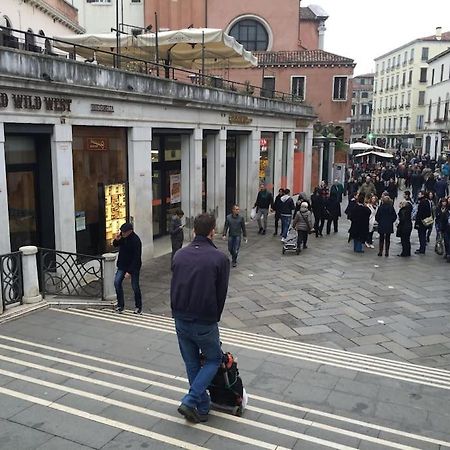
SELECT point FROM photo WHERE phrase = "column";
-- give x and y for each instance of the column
(290, 161)
(216, 175)
(63, 189)
(109, 270)
(253, 168)
(307, 162)
(5, 243)
(191, 177)
(140, 193)
(320, 161)
(278, 163)
(331, 153)
(30, 275)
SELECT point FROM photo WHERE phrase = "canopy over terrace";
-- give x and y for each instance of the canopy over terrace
(375, 153)
(194, 48)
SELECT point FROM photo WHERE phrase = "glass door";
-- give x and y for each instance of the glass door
(22, 208)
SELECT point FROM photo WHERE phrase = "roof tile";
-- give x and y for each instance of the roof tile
(300, 57)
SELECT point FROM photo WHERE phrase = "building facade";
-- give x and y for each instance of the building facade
(362, 98)
(437, 103)
(85, 148)
(401, 78)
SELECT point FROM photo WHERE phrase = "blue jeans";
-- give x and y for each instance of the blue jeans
(234, 244)
(120, 275)
(194, 338)
(357, 246)
(285, 222)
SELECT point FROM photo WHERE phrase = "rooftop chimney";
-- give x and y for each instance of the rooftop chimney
(322, 30)
(438, 33)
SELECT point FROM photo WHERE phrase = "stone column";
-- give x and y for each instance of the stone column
(253, 168)
(290, 161)
(278, 163)
(63, 189)
(191, 177)
(5, 243)
(140, 186)
(30, 275)
(216, 175)
(331, 162)
(109, 270)
(307, 162)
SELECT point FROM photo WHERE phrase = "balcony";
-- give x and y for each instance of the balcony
(401, 106)
(407, 106)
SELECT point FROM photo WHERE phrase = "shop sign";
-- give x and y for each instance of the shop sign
(80, 220)
(115, 209)
(35, 102)
(175, 188)
(302, 123)
(97, 144)
(239, 119)
(95, 107)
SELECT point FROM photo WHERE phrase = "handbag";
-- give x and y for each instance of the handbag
(428, 221)
(253, 213)
(439, 246)
(310, 230)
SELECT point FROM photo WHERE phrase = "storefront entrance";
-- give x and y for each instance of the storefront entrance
(30, 191)
(231, 173)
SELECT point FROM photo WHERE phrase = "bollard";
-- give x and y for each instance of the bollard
(109, 271)
(30, 275)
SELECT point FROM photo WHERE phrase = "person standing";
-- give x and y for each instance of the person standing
(423, 212)
(176, 231)
(264, 201)
(318, 209)
(404, 228)
(287, 206)
(197, 297)
(333, 207)
(129, 264)
(338, 190)
(372, 204)
(277, 208)
(367, 188)
(359, 228)
(235, 227)
(385, 217)
(303, 224)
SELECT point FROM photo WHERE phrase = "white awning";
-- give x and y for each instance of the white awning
(372, 152)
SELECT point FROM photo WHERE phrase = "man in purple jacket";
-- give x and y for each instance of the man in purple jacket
(197, 294)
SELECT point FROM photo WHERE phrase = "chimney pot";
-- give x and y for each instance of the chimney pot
(438, 33)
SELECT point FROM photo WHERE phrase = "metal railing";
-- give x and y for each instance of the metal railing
(36, 43)
(70, 274)
(11, 278)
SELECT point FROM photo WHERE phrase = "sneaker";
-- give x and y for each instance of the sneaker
(371, 246)
(234, 264)
(283, 239)
(138, 311)
(118, 309)
(367, 245)
(189, 413)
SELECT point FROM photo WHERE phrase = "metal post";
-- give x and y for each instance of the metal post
(156, 43)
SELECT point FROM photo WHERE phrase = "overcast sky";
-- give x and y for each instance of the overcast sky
(365, 29)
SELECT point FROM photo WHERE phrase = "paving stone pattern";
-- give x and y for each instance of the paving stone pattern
(328, 295)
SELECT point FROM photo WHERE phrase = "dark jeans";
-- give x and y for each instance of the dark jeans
(302, 238)
(405, 239)
(234, 244)
(120, 275)
(370, 237)
(385, 242)
(447, 243)
(277, 219)
(194, 338)
(422, 232)
(285, 222)
(334, 221)
(318, 226)
(357, 246)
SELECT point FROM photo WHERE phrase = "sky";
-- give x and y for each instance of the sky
(365, 29)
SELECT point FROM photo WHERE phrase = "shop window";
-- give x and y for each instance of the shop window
(100, 184)
(298, 87)
(340, 88)
(251, 34)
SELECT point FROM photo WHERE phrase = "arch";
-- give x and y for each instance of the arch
(428, 144)
(260, 21)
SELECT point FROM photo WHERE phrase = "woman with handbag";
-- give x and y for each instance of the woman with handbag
(303, 224)
(372, 204)
(423, 221)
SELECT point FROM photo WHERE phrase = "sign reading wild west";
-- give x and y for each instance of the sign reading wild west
(35, 102)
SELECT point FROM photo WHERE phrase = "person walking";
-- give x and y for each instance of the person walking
(129, 264)
(318, 209)
(367, 188)
(277, 208)
(337, 189)
(287, 206)
(333, 207)
(372, 204)
(404, 227)
(360, 224)
(421, 220)
(443, 223)
(176, 232)
(264, 201)
(303, 224)
(235, 227)
(385, 217)
(197, 297)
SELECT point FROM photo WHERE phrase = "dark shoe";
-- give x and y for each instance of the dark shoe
(386, 254)
(118, 309)
(260, 231)
(203, 417)
(305, 246)
(276, 232)
(428, 239)
(138, 311)
(234, 264)
(263, 232)
(380, 254)
(418, 252)
(189, 413)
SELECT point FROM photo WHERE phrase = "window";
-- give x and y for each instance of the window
(135, 1)
(382, 66)
(403, 78)
(423, 75)
(410, 77)
(420, 122)
(389, 122)
(340, 88)
(432, 77)
(442, 72)
(388, 64)
(409, 99)
(438, 109)
(394, 123)
(405, 58)
(376, 68)
(397, 77)
(421, 98)
(429, 111)
(446, 110)
(425, 53)
(364, 95)
(268, 87)
(365, 110)
(251, 34)
(401, 123)
(353, 110)
(403, 100)
(411, 56)
(298, 87)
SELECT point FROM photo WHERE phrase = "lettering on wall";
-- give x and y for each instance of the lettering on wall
(239, 119)
(35, 102)
(95, 107)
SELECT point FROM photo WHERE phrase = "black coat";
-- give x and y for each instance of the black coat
(404, 227)
(318, 206)
(385, 217)
(359, 228)
(277, 204)
(176, 230)
(333, 206)
(423, 211)
(130, 253)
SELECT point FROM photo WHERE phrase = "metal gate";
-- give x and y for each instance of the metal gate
(11, 278)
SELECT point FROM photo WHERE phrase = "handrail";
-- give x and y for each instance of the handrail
(148, 68)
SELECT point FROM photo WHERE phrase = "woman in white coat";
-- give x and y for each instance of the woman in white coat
(372, 204)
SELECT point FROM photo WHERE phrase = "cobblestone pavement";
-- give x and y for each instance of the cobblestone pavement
(396, 308)
(94, 379)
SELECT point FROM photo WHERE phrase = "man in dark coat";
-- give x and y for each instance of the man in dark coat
(334, 210)
(176, 231)
(277, 209)
(404, 227)
(359, 228)
(423, 212)
(264, 201)
(129, 264)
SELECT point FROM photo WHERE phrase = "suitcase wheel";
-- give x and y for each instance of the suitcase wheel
(283, 250)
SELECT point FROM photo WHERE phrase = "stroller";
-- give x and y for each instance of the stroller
(290, 243)
(226, 389)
